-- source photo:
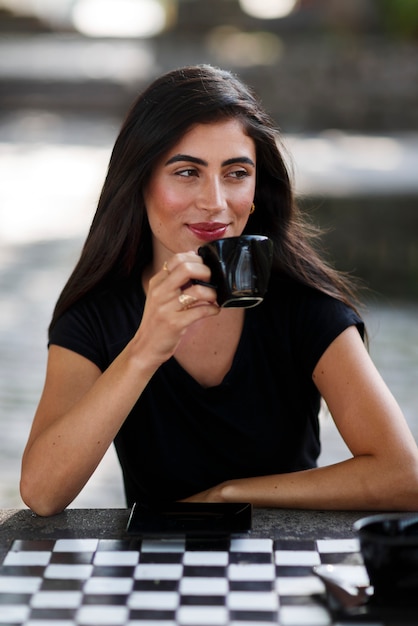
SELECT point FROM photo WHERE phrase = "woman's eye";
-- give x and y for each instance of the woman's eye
(238, 174)
(187, 172)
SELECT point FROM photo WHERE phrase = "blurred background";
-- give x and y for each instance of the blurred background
(341, 80)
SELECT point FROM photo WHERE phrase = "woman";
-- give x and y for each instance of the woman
(204, 403)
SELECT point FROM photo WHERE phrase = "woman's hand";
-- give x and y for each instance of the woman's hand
(173, 304)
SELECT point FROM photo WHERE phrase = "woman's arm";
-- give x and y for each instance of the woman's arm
(82, 409)
(383, 472)
(79, 414)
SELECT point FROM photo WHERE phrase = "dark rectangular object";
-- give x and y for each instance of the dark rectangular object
(192, 519)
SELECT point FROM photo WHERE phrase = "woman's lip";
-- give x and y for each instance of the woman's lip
(208, 231)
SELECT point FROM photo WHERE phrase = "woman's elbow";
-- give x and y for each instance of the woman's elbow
(38, 503)
(405, 485)
(413, 483)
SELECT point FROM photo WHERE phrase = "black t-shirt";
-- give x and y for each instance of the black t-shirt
(181, 438)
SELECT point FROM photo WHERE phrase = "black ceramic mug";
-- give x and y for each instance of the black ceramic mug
(389, 546)
(240, 269)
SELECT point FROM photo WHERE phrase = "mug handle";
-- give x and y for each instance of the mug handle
(196, 281)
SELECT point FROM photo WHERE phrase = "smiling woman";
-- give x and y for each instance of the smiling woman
(206, 403)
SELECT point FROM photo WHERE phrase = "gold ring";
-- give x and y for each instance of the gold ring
(165, 267)
(186, 301)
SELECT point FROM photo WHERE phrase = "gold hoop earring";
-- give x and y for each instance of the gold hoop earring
(252, 209)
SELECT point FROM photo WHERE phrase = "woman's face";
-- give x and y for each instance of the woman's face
(202, 189)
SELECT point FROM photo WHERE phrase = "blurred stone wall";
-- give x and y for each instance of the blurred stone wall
(332, 64)
(368, 86)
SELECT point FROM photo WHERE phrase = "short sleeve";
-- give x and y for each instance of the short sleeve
(100, 325)
(320, 320)
(77, 330)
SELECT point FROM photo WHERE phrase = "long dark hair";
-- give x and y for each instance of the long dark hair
(119, 241)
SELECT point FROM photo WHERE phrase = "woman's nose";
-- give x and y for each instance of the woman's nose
(212, 196)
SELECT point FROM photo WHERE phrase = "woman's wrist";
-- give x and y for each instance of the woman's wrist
(140, 359)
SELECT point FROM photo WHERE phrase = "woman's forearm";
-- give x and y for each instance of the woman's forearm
(360, 483)
(61, 457)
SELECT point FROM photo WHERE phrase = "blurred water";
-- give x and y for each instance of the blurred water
(51, 176)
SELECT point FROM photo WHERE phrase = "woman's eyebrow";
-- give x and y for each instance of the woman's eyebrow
(186, 157)
(242, 159)
(191, 159)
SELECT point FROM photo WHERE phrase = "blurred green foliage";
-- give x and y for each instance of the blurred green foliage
(400, 18)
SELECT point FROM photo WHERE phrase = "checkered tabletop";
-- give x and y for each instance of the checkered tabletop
(162, 582)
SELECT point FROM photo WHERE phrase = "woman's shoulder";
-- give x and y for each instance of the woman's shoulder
(306, 319)
(111, 297)
(100, 323)
(291, 298)
(294, 291)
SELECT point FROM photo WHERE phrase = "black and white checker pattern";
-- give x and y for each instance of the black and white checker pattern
(232, 582)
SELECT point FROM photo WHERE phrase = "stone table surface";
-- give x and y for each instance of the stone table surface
(111, 524)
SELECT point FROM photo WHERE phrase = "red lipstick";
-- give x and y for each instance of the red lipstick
(208, 231)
